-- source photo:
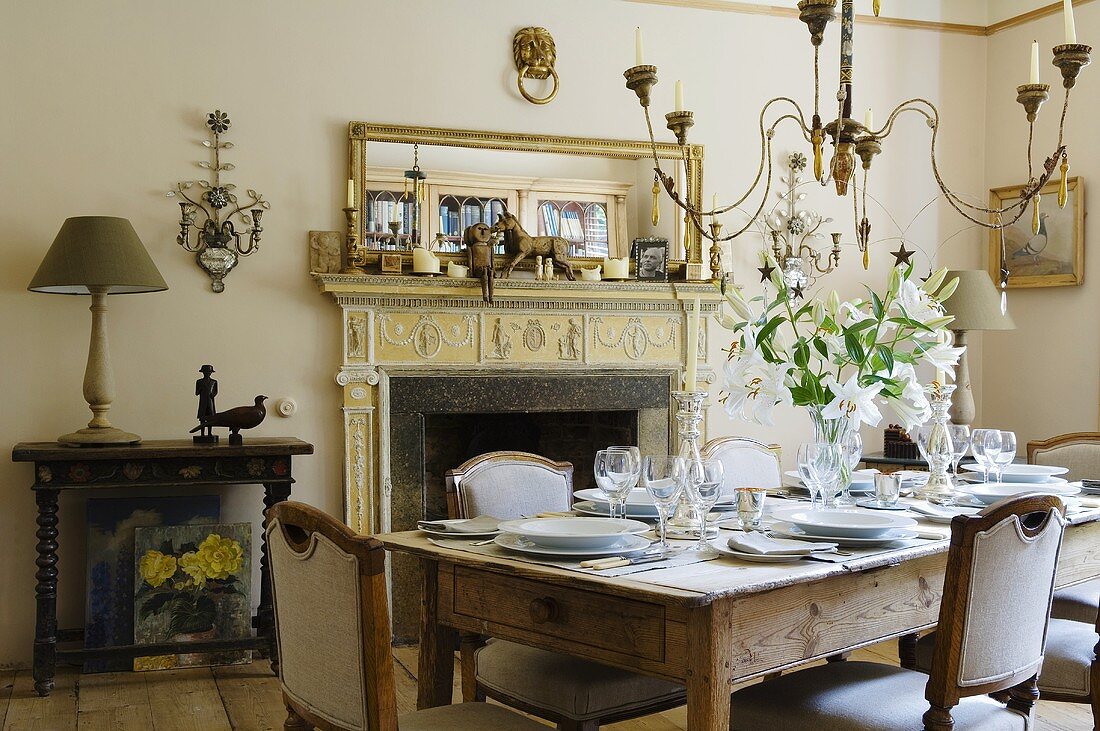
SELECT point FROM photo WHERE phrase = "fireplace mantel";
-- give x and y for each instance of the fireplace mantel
(405, 325)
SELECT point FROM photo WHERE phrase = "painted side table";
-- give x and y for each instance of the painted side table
(153, 464)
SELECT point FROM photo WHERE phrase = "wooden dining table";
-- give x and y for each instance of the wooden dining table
(708, 625)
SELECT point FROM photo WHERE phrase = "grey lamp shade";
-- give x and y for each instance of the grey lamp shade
(97, 252)
(976, 304)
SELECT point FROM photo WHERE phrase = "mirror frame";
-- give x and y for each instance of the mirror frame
(360, 133)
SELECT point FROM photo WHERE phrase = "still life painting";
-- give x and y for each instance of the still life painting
(109, 609)
(192, 584)
(1047, 250)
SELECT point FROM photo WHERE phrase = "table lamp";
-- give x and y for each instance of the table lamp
(976, 305)
(97, 255)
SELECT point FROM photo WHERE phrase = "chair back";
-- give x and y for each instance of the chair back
(332, 621)
(745, 462)
(508, 485)
(996, 601)
(1079, 451)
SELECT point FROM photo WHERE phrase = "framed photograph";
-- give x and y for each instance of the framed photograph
(1052, 257)
(651, 259)
(391, 262)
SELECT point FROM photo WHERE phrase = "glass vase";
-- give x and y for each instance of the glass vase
(686, 521)
(935, 441)
(835, 432)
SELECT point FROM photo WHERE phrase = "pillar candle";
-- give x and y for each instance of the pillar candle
(692, 348)
(1034, 62)
(869, 119)
(679, 95)
(351, 194)
(941, 377)
(1071, 30)
(396, 217)
(639, 57)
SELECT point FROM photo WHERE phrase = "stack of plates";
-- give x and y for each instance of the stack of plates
(846, 527)
(573, 536)
(863, 481)
(1029, 473)
(988, 493)
(639, 504)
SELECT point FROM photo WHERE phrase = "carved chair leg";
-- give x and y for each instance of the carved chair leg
(907, 651)
(294, 722)
(1023, 696)
(937, 718)
(579, 725)
(470, 643)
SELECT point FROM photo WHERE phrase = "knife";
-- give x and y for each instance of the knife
(614, 562)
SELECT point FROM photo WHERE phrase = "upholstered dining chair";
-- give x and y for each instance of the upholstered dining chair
(745, 462)
(992, 630)
(576, 694)
(1080, 452)
(333, 628)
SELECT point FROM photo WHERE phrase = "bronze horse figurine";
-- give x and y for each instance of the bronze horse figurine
(518, 245)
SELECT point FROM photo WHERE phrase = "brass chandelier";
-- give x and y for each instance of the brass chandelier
(851, 139)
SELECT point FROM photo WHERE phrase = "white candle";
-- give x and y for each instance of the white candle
(714, 202)
(351, 194)
(396, 217)
(692, 348)
(941, 377)
(679, 95)
(1034, 62)
(869, 119)
(639, 57)
(1071, 30)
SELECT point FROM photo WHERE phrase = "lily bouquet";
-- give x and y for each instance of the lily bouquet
(837, 359)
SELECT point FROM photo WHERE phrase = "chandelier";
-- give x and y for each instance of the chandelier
(851, 139)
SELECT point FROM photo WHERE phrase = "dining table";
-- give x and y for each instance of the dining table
(707, 624)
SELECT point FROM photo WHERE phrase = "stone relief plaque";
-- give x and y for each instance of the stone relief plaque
(635, 339)
(405, 337)
(525, 338)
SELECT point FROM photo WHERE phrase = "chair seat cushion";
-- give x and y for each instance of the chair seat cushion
(847, 696)
(567, 686)
(467, 717)
(1078, 602)
(1068, 658)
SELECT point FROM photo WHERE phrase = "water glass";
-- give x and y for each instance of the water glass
(960, 440)
(887, 490)
(819, 468)
(664, 478)
(1006, 455)
(986, 444)
(615, 469)
(750, 506)
(852, 447)
(704, 486)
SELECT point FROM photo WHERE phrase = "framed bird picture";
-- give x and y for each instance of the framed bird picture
(1044, 248)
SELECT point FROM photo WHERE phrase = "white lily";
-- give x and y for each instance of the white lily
(757, 390)
(917, 303)
(943, 357)
(911, 414)
(853, 402)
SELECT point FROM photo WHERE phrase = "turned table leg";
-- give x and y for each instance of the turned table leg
(45, 626)
(264, 622)
(435, 676)
(708, 676)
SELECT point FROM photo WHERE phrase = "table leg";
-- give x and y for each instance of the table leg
(264, 622)
(45, 626)
(435, 675)
(710, 639)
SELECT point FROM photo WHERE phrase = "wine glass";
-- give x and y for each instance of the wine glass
(818, 466)
(986, 444)
(614, 469)
(664, 478)
(637, 453)
(852, 448)
(704, 486)
(1006, 455)
(960, 440)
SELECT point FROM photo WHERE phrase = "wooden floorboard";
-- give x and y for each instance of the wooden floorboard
(247, 698)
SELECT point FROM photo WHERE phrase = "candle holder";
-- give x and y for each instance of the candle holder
(355, 253)
(687, 521)
(867, 147)
(817, 14)
(715, 252)
(938, 448)
(1032, 97)
(640, 79)
(679, 123)
(1071, 58)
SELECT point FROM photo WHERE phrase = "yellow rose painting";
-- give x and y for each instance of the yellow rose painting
(193, 585)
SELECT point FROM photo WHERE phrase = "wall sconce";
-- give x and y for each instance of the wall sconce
(218, 247)
(535, 54)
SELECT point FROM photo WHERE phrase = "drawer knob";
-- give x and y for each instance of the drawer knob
(544, 610)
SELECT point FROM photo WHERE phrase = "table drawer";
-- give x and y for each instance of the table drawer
(597, 620)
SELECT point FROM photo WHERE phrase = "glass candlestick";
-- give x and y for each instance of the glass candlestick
(938, 448)
(686, 521)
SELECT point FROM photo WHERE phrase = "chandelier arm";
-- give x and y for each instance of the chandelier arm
(1062, 120)
(195, 203)
(239, 209)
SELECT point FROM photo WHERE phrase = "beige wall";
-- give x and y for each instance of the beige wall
(1042, 378)
(103, 107)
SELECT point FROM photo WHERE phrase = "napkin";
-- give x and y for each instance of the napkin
(480, 524)
(939, 512)
(762, 545)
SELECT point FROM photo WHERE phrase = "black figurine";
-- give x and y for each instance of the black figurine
(206, 388)
(242, 417)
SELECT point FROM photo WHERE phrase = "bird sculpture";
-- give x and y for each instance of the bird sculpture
(241, 417)
(1036, 243)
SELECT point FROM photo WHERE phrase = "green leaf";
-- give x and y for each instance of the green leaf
(801, 353)
(854, 347)
(905, 357)
(154, 604)
(862, 325)
(821, 347)
(876, 306)
(801, 396)
(767, 330)
(887, 356)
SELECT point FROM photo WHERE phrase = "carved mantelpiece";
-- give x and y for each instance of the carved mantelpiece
(400, 326)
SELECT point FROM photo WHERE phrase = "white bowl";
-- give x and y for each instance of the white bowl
(573, 532)
(991, 492)
(1023, 472)
(847, 523)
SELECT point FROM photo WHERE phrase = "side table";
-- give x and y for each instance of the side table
(168, 463)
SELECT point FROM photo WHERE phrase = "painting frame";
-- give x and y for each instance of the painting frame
(1071, 252)
(390, 262)
(640, 247)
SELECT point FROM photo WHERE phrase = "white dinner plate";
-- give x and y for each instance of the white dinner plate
(721, 545)
(1084, 489)
(847, 523)
(639, 504)
(1023, 472)
(991, 492)
(975, 478)
(856, 488)
(573, 532)
(599, 510)
(944, 513)
(623, 546)
(786, 530)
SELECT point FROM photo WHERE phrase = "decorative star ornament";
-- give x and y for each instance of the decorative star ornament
(765, 272)
(902, 255)
(796, 292)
